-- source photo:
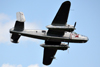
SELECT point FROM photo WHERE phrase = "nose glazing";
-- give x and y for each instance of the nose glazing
(87, 38)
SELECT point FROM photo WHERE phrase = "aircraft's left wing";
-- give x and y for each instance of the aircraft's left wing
(49, 52)
(48, 55)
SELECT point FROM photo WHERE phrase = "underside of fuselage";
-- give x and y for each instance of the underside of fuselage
(42, 34)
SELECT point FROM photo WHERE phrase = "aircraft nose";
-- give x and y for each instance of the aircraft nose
(86, 38)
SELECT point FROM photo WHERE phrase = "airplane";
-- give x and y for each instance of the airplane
(57, 33)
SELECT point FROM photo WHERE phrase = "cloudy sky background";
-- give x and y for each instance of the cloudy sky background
(38, 14)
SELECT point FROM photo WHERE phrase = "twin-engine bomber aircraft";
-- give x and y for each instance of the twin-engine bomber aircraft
(58, 32)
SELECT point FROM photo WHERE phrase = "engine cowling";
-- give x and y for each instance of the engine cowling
(62, 46)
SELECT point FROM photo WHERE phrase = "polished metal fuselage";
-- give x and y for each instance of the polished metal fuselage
(42, 34)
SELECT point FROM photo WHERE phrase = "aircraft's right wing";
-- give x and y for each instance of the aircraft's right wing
(62, 14)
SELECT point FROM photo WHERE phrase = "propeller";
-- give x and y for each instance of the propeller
(53, 57)
(75, 25)
(68, 51)
(68, 48)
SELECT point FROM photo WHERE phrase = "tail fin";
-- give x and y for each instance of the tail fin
(19, 26)
(15, 37)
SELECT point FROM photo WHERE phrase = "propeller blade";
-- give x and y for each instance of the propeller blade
(68, 51)
(75, 24)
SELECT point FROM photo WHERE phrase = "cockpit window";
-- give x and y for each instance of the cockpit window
(74, 32)
(43, 31)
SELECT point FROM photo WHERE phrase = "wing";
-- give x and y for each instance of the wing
(49, 52)
(48, 55)
(59, 20)
(62, 14)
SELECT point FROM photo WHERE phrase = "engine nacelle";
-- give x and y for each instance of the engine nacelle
(62, 46)
(69, 28)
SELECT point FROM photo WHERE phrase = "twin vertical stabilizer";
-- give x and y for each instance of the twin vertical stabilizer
(20, 17)
(19, 26)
